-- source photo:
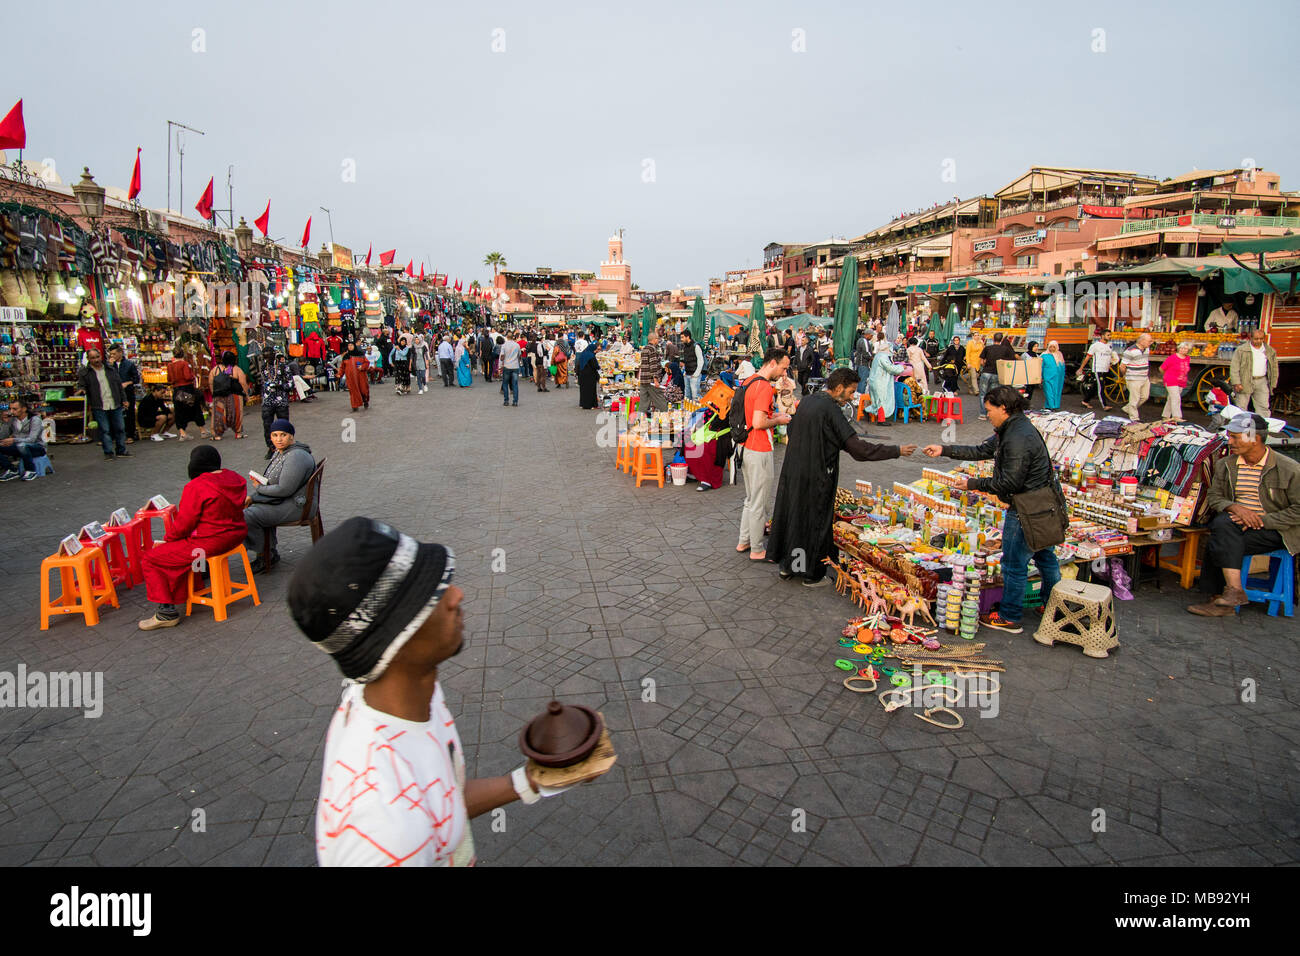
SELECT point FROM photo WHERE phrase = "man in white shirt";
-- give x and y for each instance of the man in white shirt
(1135, 366)
(1254, 373)
(1100, 355)
(393, 786)
(446, 360)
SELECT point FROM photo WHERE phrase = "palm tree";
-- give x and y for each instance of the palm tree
(497, 261)
(475, 284)
(599, 306)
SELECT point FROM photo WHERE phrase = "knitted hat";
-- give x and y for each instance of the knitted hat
(363, 590)
(203, 458)
(282, 425)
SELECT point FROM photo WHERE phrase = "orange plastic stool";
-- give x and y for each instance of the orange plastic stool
(222, 592)
(137, 538)
(950, 407)
(649, 463)
(115, 553)
(84, 585)
(623, 459)
(168, 516)
(862, 404)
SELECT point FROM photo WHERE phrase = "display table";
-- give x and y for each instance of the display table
(1184, 562)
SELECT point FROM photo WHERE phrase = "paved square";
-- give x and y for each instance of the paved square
(750, 752)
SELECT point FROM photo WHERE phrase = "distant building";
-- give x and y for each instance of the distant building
(544, 290)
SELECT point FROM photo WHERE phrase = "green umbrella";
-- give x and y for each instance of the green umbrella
(846, 313)
(949, 325)
(649, 319)
(712, 320)
(697, 320)
(757, 326)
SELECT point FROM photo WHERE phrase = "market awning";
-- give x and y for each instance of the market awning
(1244, 280)
(1271, 244)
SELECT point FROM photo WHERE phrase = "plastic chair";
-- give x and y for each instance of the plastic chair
(85, 584)
(950, 407)
(132, 537)
(649, 463)
(168, 516)
(1080, 614)
(863, 401)
(42, 466)
(115, 554)
(903, 403)
(623, 460)
(1280, 583)
(222, 592)
(310, 516)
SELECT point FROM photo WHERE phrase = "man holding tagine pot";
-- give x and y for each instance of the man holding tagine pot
(393, 787)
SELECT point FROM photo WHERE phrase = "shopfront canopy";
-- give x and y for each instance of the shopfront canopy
(1270, 244)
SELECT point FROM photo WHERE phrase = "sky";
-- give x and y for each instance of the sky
(703, 130)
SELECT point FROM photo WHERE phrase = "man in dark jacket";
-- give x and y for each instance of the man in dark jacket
(1020, 463)
(999, 350)
(103, 391)
(804, 360)
(130, 378)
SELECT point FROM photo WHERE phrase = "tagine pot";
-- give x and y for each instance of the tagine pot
(564, 734)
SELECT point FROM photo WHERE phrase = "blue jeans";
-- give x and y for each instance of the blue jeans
(510, 384)
(1015, 569)
(988, 380)
(864, 373)
(692, 389)
(112, 431)
(25, 452)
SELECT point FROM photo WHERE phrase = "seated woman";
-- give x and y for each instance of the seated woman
(283, 495)
(209, 519)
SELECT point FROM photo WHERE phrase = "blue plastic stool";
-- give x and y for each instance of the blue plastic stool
(1280, 583)
(42, 466)
(903, 403)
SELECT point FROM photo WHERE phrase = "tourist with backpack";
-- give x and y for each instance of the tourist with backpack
(751, 421)
(228, 385)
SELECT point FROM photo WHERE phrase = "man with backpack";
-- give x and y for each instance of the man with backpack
(751, 421)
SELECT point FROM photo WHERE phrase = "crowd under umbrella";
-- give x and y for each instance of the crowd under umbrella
(846, 313)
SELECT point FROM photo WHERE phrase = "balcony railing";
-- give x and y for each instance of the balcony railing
(1212, 220)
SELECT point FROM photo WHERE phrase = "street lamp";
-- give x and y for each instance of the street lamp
(90, 196)
(243, 237)
(325, 257)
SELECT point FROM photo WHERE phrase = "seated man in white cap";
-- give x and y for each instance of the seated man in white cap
(1256, 494)
(393, 787)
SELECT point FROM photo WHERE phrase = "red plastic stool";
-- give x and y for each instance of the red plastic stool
(168, 516)
(136, 539)
(950, 407)
(114, 550)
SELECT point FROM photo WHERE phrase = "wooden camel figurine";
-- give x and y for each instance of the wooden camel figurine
(908, 609)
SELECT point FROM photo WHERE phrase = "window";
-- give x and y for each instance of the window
(992, 262)
(1027, 260)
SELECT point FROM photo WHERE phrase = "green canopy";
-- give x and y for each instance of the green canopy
(1244, 280)
(846, 313)
(649, 321)
(698, 320)
(943, 327)
(802, 320)
(1271, 244)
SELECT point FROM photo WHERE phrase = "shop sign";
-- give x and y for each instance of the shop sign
(984, 245)
(1104, 212)
(12, 313)
(341, 256)
(1227, 222)
(1030, 239)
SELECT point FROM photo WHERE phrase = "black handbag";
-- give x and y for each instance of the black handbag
(1042, 514)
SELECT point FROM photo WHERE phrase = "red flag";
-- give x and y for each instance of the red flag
(306, 234)
(135, 177)
(263, 221)
(205, 202)
(410, 268)
(386, 258)
(421, 271)
(369, 248)
(13, 134)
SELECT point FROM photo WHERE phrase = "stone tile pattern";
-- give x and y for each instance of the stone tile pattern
(736, 742)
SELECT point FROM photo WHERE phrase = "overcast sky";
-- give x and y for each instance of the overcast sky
(697, 127)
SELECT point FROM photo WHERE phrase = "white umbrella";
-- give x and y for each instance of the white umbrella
(891, 323)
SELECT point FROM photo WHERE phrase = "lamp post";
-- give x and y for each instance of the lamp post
(90, 197)
(330, 217)
(243, 238)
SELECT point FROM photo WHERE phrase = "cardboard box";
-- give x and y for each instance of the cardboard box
(1023, 371)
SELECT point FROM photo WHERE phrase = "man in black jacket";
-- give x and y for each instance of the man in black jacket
(129, 375)
(999, 350)
(1020, 463)
(103, 391)
(804, 360)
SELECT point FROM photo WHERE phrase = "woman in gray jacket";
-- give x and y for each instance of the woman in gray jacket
(281, 498)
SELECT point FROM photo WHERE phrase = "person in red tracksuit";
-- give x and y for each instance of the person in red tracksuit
(209, 521)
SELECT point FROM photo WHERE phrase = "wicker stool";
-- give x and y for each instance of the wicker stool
(1081, 614)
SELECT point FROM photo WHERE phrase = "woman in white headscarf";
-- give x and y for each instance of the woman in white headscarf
(1053, 376)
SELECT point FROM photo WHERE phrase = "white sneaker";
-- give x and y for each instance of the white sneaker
(169, 434)
(155, 438)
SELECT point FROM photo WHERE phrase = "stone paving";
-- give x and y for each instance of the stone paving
(750, 731)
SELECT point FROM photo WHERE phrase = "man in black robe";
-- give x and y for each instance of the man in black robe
(804, 513)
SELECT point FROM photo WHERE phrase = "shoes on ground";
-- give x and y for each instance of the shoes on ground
(156, 622)
(996, 621)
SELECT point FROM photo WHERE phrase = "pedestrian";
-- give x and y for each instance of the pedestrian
(510, 355)
(129, 375)
(1100, 356)
(420, 364)
(1031, 352)
(229, 386)
(1174, 374)
(1021, 464)
(862, 360)
(804, 513)
(103, 391)
(881, 385)
(920, 363)
(1135, 366)
(394, 789)
(692, 365)
(974, 351)
(1053, 376)
(399, 360)
(541, 363)
(951, 364)
(447, 358)
(276, 388)
(651, 395)
(185, 397)
(589, 377)
(355, 365)
(485, 346)
(756, 455)
(1253, 373)
(999, 350)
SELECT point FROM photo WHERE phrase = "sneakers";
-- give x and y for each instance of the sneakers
(996, 621)
(123, 454)
(823, 582)
(108, 457)
(156, 622)
(29, 476)
(11, 475)
(169, 434)
(156, 438)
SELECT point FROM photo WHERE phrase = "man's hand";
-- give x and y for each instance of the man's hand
(248, 500)
(933, 451)
(1237, 388)
(959, 484)
(905, 450)
(1243, 516)
(781, 418)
